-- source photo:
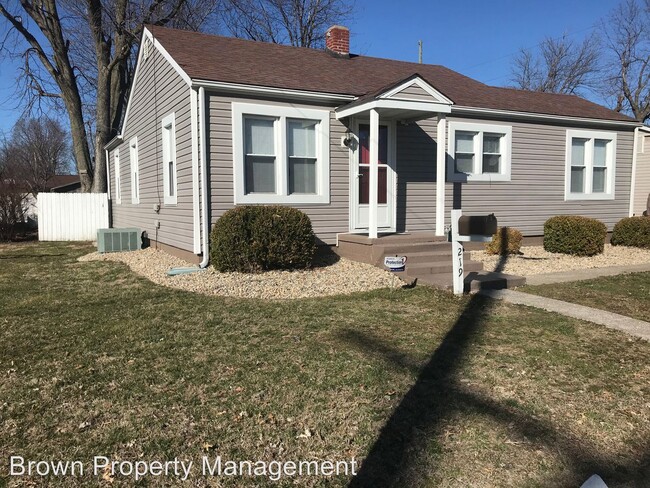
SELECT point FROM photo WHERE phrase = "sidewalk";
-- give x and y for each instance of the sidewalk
(584, 274)
(631, 326)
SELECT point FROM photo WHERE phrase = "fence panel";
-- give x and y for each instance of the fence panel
(71, 216)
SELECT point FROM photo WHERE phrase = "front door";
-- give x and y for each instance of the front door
(385, 183)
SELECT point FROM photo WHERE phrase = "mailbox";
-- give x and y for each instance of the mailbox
(481, 225)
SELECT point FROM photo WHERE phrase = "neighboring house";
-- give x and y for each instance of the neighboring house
(353, 141)
(56, 184)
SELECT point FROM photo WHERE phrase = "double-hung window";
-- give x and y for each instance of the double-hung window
(479, 152)
(281, 154)
(590, 165)
(135, 170)
(170, 184)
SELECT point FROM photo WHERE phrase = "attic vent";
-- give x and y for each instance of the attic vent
(116, 240)
(145, 49)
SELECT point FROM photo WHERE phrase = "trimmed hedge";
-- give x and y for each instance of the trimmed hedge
(252, 239)
(632, 231)
(579, 236)
(510, 245)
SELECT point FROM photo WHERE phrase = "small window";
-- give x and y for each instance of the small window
(170, 183)
(135, 173)
(590, 165)
(118, 178)
(281, 154)
(479, 152)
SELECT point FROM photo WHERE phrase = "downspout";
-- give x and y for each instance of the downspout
(205, 222)
(204, 182)
(108, 189)
(633, 181)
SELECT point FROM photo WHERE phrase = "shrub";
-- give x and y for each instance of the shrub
(507, 240)
(632, 231)
(252, 239)
(579, 236)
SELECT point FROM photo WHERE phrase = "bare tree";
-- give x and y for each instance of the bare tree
(560, 66)
(80, 54)
(295, 22)
(627, 33)
(37, 150)
(12, 196)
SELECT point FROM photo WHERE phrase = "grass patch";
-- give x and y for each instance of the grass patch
(625, 294)
(433, 390)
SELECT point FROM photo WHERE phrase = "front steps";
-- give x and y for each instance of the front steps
(428, 260)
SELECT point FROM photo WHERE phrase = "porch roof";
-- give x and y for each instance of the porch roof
(410, 98)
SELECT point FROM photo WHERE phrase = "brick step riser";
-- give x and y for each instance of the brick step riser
(404, 249)
(429, 258)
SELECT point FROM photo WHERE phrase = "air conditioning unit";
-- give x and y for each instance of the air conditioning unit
(117, 240)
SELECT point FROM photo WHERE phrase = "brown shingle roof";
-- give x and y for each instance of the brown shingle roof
(227, 59)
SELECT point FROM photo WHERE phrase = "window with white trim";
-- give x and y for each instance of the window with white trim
(590, 165)
(170, 182)
(118, 178)
(281, 154)
(479, 152)
(135, 170)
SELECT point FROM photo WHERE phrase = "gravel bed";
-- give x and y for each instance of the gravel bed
(535, 260)
(330, 278)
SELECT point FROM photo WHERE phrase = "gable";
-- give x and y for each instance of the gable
(417, 90)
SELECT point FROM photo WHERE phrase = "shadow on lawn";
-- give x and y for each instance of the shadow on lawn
(436, 395)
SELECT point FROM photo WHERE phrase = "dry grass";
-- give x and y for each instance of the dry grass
(433, 390)
(626, 294)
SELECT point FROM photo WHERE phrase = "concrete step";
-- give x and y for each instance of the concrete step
(475, 281)
(430, 257)
(404, 249)
(424, 269)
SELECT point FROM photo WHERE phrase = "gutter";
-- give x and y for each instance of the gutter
(204, 183)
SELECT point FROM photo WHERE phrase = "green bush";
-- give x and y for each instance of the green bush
(507, 240)
(579, 236)
(252, 239)
(632, 231)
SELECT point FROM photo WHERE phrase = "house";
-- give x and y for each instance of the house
(364, 146)
(54, 184)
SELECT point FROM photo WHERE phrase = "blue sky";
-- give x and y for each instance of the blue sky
(476, 38)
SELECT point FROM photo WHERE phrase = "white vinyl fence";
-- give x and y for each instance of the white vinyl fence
(71, 216)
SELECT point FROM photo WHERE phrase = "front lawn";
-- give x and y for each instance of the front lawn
(626, 294)
(433, 390)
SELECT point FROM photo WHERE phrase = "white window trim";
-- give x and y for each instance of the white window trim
(134, 162)
(118, 176)
(322, 196)
(610, 183)
(480, 129)
(169, 120)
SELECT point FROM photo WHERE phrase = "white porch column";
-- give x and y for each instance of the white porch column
(441, 167)
(374, 174)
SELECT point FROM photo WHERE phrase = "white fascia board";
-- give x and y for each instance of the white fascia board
(147, 34)
(457, 110)
(267, 90)
(393, 104)
(115, 141)
(422, 84)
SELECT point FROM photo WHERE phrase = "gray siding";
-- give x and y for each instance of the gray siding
(158, 91)
(416, 176)
(413, 92)
(536, 191)
(327, 220)
(642, 182)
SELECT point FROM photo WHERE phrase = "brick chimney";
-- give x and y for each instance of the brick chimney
(337, 40)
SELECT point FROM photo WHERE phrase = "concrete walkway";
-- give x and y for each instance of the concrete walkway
(584, 274)
(611, 320)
